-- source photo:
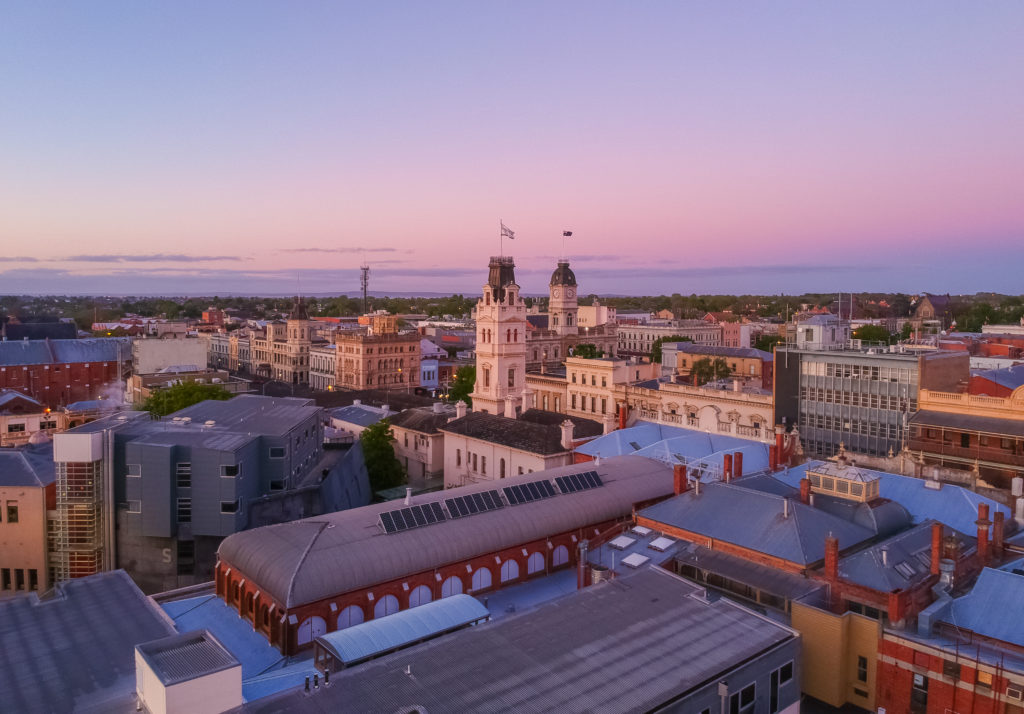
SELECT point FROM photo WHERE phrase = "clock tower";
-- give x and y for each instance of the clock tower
(563, 308)
(500, 342)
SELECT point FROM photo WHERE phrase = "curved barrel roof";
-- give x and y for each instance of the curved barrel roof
(316, 558)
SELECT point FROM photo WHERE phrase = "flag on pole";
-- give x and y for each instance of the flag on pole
(506, 232)
(567, 234)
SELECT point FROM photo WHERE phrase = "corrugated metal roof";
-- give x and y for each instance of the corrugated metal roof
(1009, 377)
(30, 465)
(187, 656)
(994, 607)
(952, 505)
(693, 348)
(360, 414)
(771, 580)
(12, 396)
(755, 520)
(969, 422)
(316, 558)
(373, 638)
(97, 349)
(627, 645)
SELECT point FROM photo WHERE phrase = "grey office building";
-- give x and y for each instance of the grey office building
(862, 398)
(180, 484)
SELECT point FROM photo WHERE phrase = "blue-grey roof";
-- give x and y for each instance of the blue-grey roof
(698, 444)
(360, 414)
(708, 451)
(29, 465)
(252, 413)
(376, 637)
(899, 562)
(994, 607)
(97, 349)
(1009, 377)
(9, 396)
(632, 644)
(88, 405)
(755, 520)
(954, 506)
(75, 652)
(180, 658)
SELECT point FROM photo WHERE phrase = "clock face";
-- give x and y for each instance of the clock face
(570, 292)
(554, 293)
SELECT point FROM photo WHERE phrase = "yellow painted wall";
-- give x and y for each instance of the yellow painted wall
(831, 645)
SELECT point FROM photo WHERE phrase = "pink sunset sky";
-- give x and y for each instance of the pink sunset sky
(690, 147)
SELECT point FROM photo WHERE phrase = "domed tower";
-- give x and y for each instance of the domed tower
(299, 338)
(500, 342)
(563, 308)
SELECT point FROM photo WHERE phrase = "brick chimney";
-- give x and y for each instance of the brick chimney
(582, 566)
(567, 427)
(805, 491)
(984, 548)
(780, 436)
(936, 547)
(737, 464)
(727, 468)
(832, 558)
(997, 534)
(773, 459)
(623, 415)
(679, 482)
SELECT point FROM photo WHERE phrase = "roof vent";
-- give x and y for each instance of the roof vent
(356, 402)
(210, 422)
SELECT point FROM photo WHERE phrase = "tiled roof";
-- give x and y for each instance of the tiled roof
(424, 419)
(522, 434)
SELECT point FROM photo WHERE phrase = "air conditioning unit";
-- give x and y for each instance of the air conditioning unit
(1015, 693)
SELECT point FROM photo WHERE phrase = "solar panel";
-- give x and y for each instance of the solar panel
(387, 522)
(453, 508)
(576, 481)
(549, 490)
(435, 508)
(399, 521)
(534, 491)
(417, 513)
(583, 481)
(510, 496)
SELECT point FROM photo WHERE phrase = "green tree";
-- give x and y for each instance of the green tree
(379, 454)
(907, 329)
(707, 370)
(656, 345)
(767, 342)
(462, 385)
(587, 351)
(873, 333)
(167, 401)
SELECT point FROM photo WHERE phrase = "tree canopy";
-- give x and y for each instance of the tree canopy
(167, 401)
(383, 468)
(873, 333)
(587, 351)
(706, 370)
(767, 342)
(462, 385)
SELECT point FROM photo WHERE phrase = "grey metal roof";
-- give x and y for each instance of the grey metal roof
(316, 558)
(376, 637)
(30, 465)
(845, 470)
(969, 422)
(75, 652)
(252, 413)
(9, 397)
(626, 645)
(755, 520)
(899, 562)
(771, 580)
(98, 349)
(179, 658)
(994, 607)
(422, 419)
(360, 414)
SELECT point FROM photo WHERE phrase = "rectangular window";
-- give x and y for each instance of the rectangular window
(5, 578)
(12, 511)
(458, 457)
(277, 485)
(135, 470)
(47, 425)
(183, 472)
(186, 557)
(33, 579)
(949, 668)
(574, 378)
(965, 441)
(135, 506)
(919, 694)
(229, 506)
(229, 470)
(184, 510)
(483, 464)
(15, 428)
(862, 669)
(277, 452)
(573, 401)
(984, 679)
(742, 702)
(19, 579)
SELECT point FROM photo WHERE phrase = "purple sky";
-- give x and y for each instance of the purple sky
(692, 147)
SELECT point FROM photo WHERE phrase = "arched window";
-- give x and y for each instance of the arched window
(509, 571)
(310, 629)
(249, 603)
(535, 563)
(515, 335)
(387, 605)
(420, 596)
(508, 335)
(481, 579)
(265, 616)
(501, 468)
(451, 586)
(351, 615)
(560, 556)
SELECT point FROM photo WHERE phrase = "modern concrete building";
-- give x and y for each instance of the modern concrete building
(863, 398)
(150, 355)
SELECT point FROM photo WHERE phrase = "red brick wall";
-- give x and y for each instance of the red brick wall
(57, 385)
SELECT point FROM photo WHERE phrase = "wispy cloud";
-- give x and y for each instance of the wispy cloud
(148, 258)
(340, 250)
(19, 259)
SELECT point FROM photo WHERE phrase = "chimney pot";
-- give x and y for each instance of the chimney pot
(727, 468)
(679, 480)
(984, 549)
(737, 465)
(805, 491)
(832, 558)
(408, 496)
(998, 525)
